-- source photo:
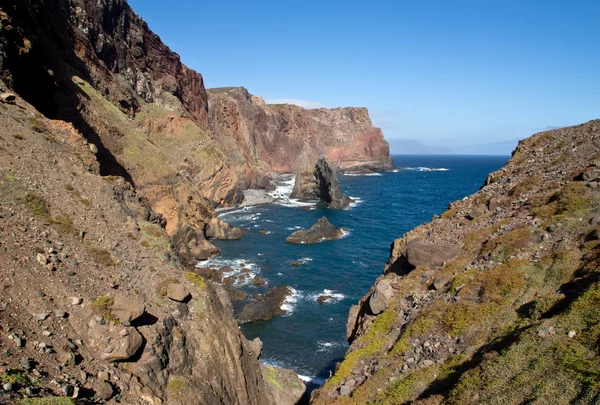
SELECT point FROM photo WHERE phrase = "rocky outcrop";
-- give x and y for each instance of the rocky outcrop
(322, 230)
(505, 279)
(265, 306)
(320, 183)
(285, 138)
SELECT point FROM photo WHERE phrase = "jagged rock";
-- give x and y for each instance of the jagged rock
(352, 320)
(320, 183)
(125, 346)
(177, 292)
(290, 389)
(127, 309)
(265, 306)
(321, 299)
(258, 281)
(104, 390)
(420, 253)
(256, 346)
(381, 297)
(320, 231)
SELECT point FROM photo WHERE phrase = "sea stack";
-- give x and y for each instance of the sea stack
(320, 231)
(320, 183)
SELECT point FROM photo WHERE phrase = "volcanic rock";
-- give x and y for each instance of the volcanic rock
(320, 183)
(420, 253)
(320, 231)
(177, 292)
(265, 306)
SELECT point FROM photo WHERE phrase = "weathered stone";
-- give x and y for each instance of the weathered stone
(320, 231)
(419, 253)
(256, 346)
(127, 309)
(124, 347)
(381, 297)
(320, 183)
(104, 390)
(258, 281)
(177, 292)
(265, 306)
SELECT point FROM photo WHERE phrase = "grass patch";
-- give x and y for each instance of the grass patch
(37, 125)
(449, 213)
(177, 387)
(527, 185)
(38, 206)
(103, 306)
(14, 376)
(46, 401)
(571, 199)
(161, 288)
(100, 256)
(195, 279)
(271, 375)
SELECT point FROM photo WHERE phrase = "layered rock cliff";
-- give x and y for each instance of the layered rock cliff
(285, 138)
(496, 301)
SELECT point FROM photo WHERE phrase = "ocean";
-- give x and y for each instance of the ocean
(310, 337)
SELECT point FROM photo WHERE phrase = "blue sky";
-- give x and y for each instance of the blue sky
(442, 72)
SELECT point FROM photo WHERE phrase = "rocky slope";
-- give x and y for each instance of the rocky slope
(497, 300)
(284, 138)
(95, 303)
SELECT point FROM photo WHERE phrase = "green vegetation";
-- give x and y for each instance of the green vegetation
(38, 206)
(100, 256)
(14, 376)
(449, 213)
(103, 306)
(161, 288)
(46, 401)
(271, 375)
(195, 279)
(177, 387)
(571, 199)
(526, 186)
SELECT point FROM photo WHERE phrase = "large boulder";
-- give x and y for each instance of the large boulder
(125, 346)
(178, 292)
(320, 231)
(265, 306)
(381, 297)
(320, 183)
(127, 309)
(422, 254)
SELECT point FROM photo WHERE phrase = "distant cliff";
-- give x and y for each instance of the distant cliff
(496, 301)
(286, 138)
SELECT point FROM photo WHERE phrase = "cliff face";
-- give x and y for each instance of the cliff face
(288, 138)
(496, 301)
(101, 309)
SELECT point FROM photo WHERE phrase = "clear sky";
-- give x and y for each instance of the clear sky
(446, 72)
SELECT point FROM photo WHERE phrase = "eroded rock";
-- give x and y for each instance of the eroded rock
(322, 230)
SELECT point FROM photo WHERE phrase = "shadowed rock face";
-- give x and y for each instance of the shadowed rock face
(320, 183)
(320, 231)
(265, 306)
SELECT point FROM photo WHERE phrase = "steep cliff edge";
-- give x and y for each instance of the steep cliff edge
(495, 301)
(285, 138)
(98, 66)
(95, 303)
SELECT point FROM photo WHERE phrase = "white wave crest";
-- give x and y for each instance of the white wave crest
(290, 301)
(422, 169)
(361, 174)
(335, 296)
(250, 270)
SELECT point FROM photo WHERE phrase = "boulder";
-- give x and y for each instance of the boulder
(477, 211)
(258, 281)
(419, 253)
(127, 309)
(320, 183)
(381, 297)
(125, 346)
(178, 292)
(323, 298)
(320, 231)
(256, 347)
(265, 306)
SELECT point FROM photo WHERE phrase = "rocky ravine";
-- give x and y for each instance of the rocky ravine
(497, 301)
(95, 303)
(97, 65)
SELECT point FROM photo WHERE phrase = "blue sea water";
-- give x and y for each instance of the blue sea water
(310, 337)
